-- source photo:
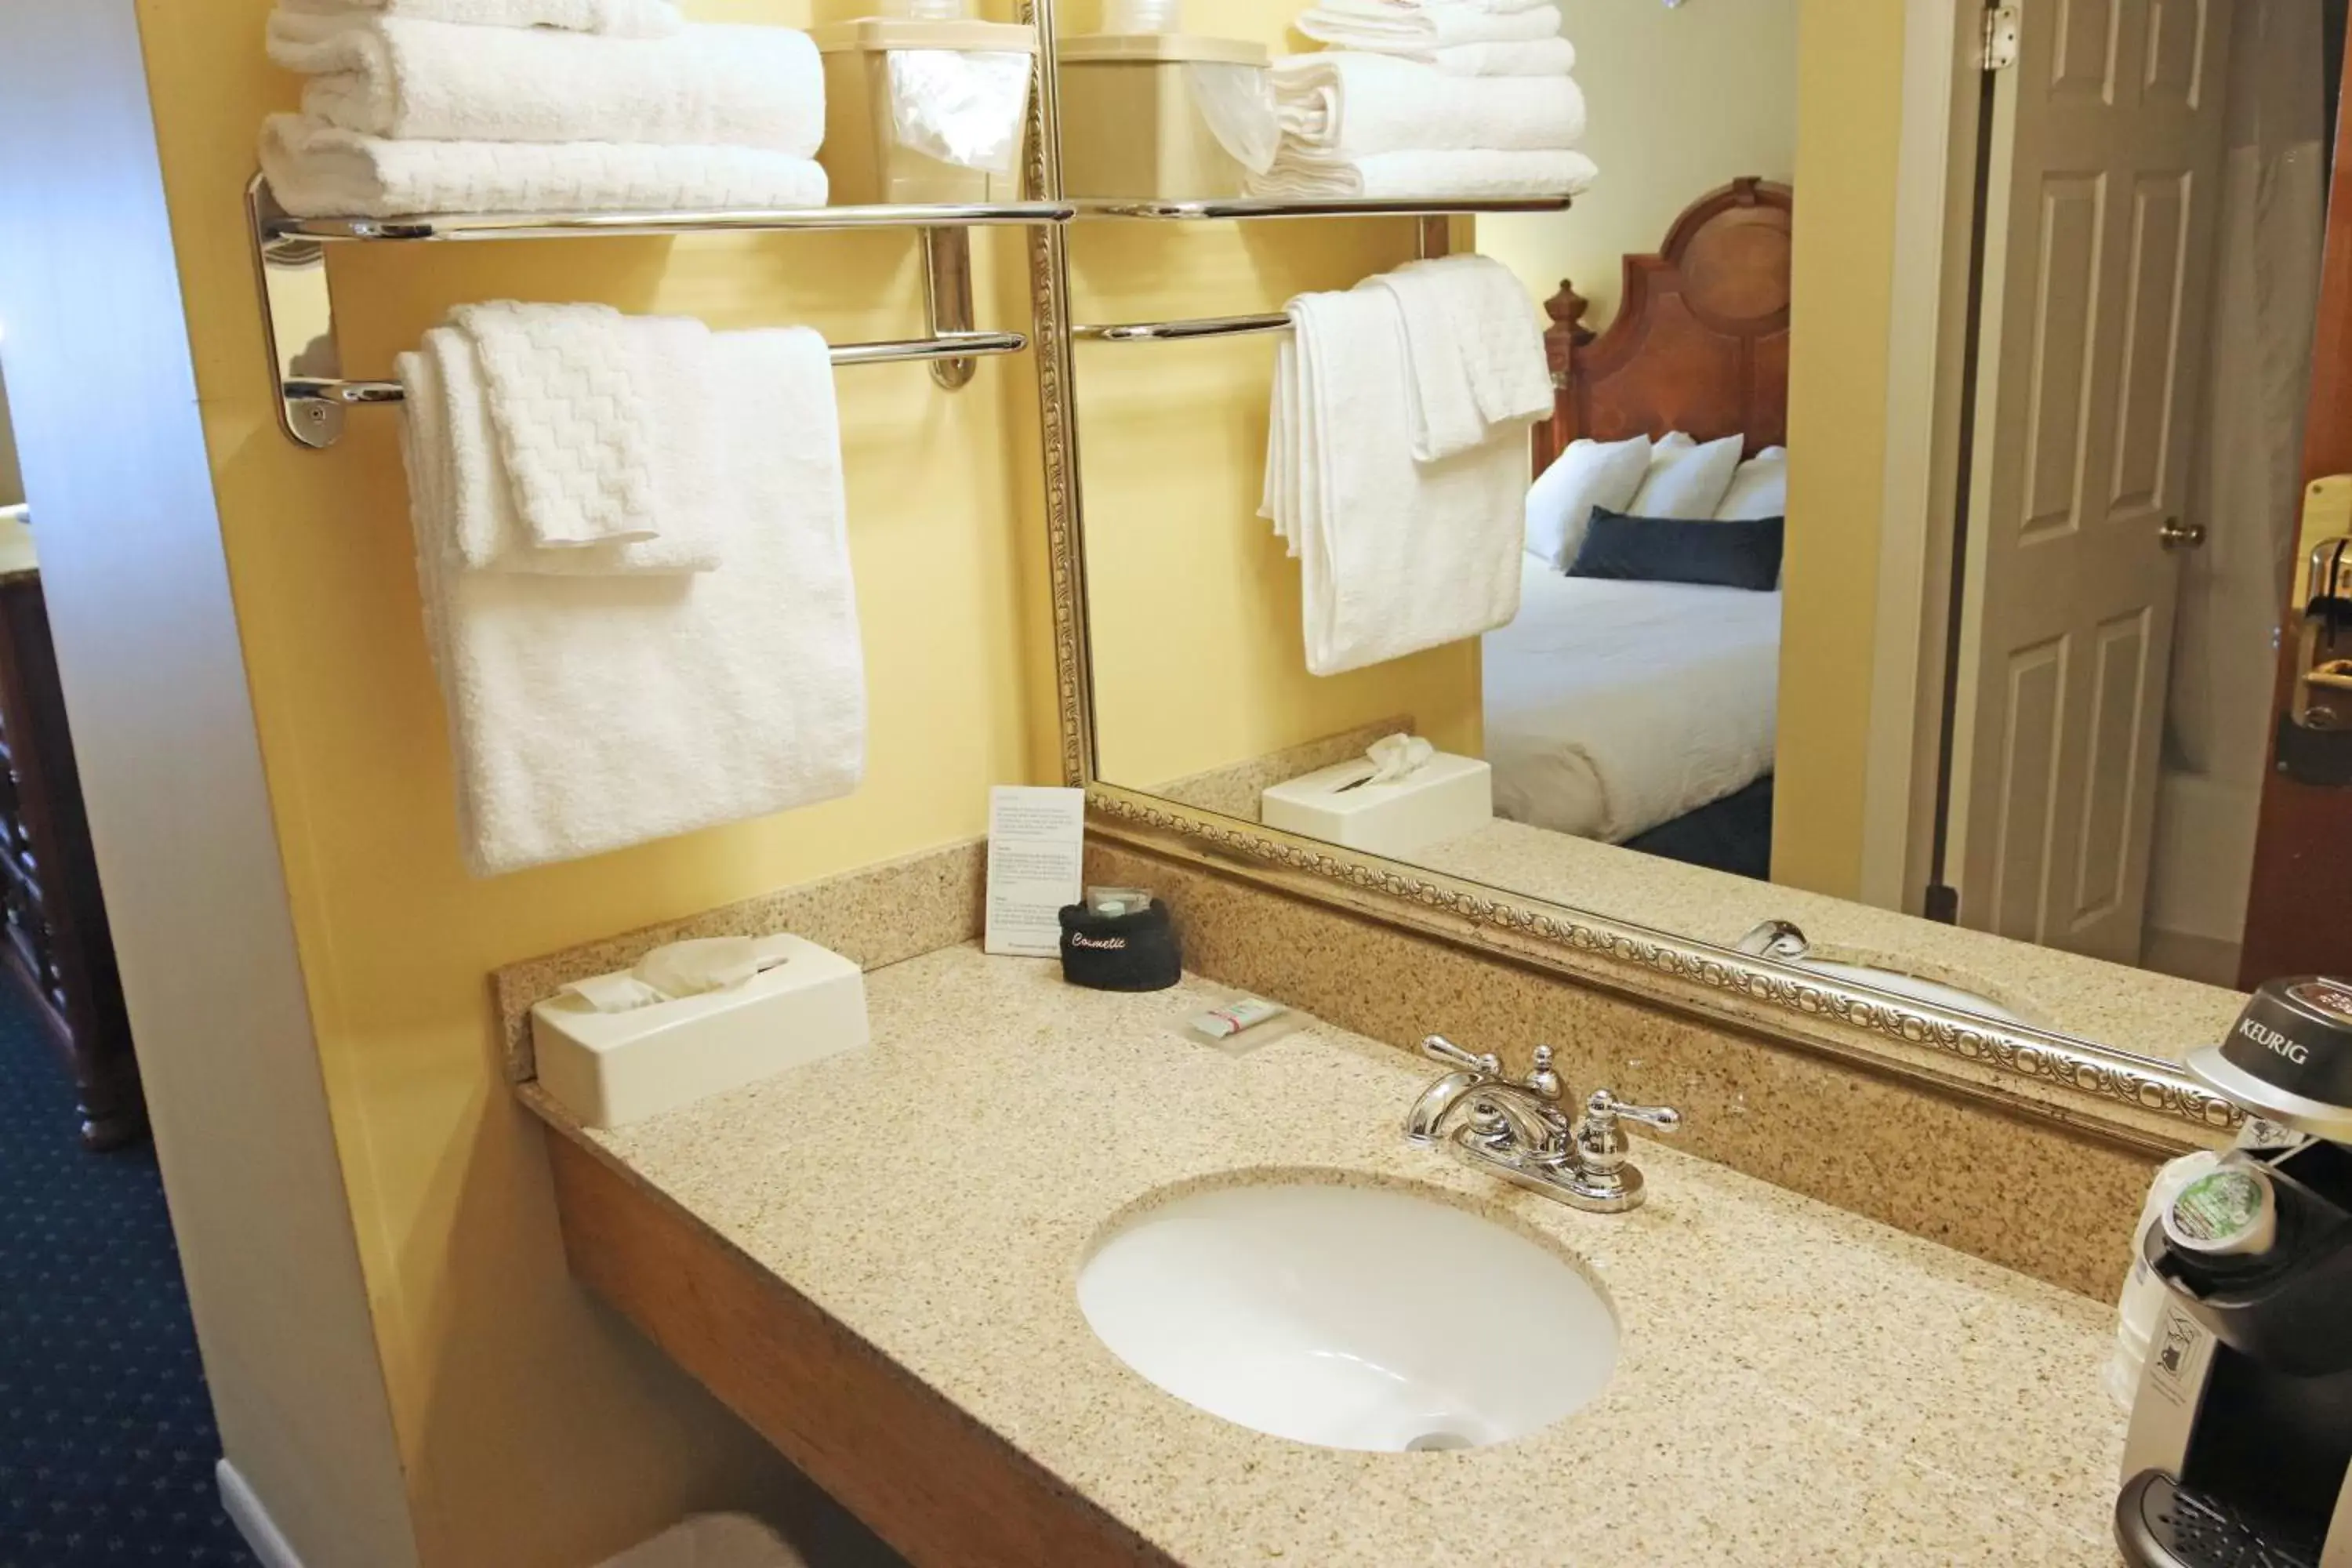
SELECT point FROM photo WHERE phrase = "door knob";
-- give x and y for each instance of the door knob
(2179, 535)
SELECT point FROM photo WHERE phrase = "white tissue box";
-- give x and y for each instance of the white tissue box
(1446, 798)
(612, 1068)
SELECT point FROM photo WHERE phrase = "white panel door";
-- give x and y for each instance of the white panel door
(2100, 223)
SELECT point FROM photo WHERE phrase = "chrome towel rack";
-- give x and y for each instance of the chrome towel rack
(298, 312)
(1432, 239)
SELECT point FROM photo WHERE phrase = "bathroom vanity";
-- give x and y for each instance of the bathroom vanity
(874, 1261)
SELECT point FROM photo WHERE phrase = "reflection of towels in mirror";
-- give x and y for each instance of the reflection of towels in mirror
(1396, 554)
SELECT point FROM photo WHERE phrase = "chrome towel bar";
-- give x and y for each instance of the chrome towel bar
(947, 346)
(1180, 332)
(299, 316)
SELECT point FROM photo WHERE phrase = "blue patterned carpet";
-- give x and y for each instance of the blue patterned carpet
(107, 1443)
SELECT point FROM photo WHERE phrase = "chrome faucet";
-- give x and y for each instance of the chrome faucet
(1518, 1129)
(1778, 939)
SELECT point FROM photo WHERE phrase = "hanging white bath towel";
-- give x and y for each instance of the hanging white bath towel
(590, 711)
(1395, 555)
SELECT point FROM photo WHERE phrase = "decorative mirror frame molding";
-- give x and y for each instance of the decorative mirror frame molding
(2140, 1101)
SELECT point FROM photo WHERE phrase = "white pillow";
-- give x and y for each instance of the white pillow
(1687, 480)
(1759, 489)
(1588, 474)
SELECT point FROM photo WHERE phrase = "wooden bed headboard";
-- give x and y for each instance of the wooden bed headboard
(1701, 339)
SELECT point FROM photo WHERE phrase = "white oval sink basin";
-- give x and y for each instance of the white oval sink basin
(1350, 1317)
(1917, 989)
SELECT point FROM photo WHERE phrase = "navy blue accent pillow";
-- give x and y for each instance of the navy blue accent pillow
(1674, 550)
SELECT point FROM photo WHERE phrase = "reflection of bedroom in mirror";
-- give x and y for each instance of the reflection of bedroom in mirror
(1879, 550)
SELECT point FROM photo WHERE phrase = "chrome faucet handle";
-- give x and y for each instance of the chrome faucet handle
(1606, 1109)
(1437, 1048)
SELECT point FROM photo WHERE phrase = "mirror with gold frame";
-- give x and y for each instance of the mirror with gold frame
(1965, 782)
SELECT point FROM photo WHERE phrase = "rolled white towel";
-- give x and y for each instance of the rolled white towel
(1391, 25)
(617, 18)
(710, 85)
(1340, 101)
(321, 171)
(1470, 176)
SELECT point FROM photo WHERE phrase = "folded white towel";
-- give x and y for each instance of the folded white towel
(1467, 175)
(1474, 353)
(1537, 56)
(1436, 24)
(588, 712)
(1356, 105)
(567, 400)
(318, 171)
(709, 84)
(1394, 556)
(618, 18)
(462, 474)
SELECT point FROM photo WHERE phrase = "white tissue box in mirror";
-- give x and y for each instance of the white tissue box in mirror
(612, 1068)
(1444, 798)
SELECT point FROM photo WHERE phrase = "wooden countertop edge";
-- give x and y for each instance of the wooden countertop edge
(942, 1489)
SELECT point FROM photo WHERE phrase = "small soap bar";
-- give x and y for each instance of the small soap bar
(610, 1069)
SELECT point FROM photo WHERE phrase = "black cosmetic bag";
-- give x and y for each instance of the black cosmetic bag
(1134, 952)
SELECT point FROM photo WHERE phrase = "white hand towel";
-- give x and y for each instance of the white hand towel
(709, 84)
(1467, 176)
(1475, 354)
(318, 171)
(591, 712)
(463, 477)
(1388, 24)
(567, 400)
(1356, 105)
(1395, 555)
(617, 18)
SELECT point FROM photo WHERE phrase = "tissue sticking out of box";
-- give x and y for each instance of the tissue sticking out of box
(1396, 758)
(682, 969)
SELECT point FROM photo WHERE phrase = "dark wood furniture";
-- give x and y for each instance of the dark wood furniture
(58, 950)
(1701, 339)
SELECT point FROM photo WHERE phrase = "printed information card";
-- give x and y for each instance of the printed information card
(1036, 855)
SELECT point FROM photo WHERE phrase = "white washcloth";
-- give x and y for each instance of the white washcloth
(567, 398)
(1436, 24)
(467, 481)
(710, 85)
(318, 171)
(1467, 175)
(617, 18)
(1394, 556)
(1474, 352)
(1356, 105)
(589, 712)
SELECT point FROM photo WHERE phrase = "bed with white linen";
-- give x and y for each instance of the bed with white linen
(1614, 708)
(1645, 711)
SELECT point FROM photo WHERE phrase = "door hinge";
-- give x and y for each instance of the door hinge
(2000, 30)
(1943, 904)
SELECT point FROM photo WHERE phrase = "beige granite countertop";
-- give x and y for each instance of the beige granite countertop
(2108, 1003)
(1796, 1384)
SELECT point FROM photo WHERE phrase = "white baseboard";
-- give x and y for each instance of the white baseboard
(253, 1521)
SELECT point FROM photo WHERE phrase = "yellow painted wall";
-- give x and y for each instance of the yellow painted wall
(534, 1429)
(1681, 101)
(1198, 657)
(1849, 127)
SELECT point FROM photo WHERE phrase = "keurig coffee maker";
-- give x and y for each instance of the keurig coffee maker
(2241, 1432)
